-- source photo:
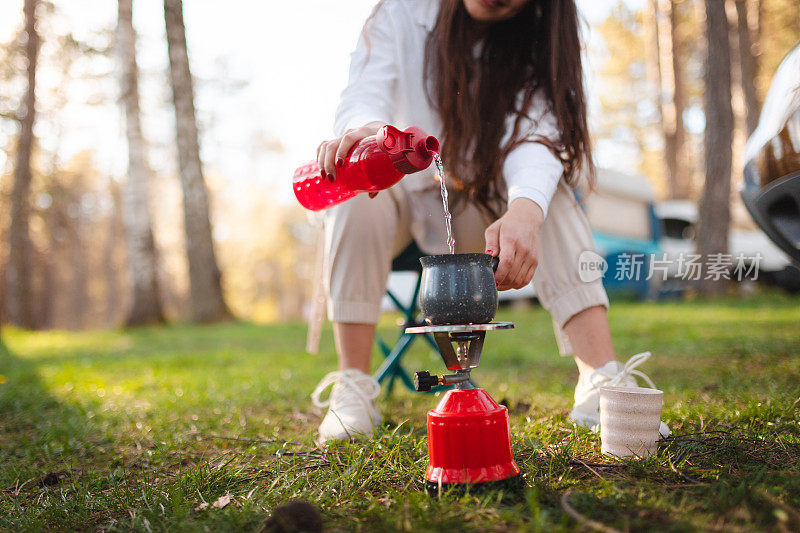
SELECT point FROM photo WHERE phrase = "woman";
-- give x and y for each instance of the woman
(499, 82)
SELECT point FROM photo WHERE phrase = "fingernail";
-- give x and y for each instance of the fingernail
(331, 178)
(339, 163)
(324, 174)
(489, 252)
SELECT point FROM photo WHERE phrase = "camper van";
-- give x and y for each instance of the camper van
(626, 230)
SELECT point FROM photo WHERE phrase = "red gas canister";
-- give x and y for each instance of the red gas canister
(468, 441)
(373, 164)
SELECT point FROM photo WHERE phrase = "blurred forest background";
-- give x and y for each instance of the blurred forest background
(81, 247)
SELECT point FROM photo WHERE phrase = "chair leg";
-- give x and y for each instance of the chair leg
(428, 337)
(392, 361)
(383, 346)
(390, 385)
(405, 378)
(391, 367)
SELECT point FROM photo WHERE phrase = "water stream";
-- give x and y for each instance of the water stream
(451, 242)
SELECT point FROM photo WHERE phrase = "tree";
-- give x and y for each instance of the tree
(143, 266)
(115, 228)
(712, 237)
(671, 94)
(74, 220)
(18, 273)
(675, 132)
(625, 77)
(748, 64)
(205, 284)
(777, 32)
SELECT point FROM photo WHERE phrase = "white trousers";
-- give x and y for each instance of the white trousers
(363, 235)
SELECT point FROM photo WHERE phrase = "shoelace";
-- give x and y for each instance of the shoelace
(363, 386)
(629, 369)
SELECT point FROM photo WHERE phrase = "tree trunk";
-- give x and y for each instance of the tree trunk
(18, 273)
(142, 261)
(749, 66)
(712, 237)
(660, 92)
(671, 96)
(759, 21)
(3, 298)
(207, 303)
(50, 267)
(113, 298)
(681, 179)
(78, 299)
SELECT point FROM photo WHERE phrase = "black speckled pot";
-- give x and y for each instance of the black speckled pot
(458, 289)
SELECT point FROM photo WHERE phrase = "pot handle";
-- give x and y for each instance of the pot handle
(495, 263)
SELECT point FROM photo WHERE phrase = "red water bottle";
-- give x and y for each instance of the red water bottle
(373, 164)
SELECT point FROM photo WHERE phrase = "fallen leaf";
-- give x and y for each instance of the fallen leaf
(201, 507)
(222, 501)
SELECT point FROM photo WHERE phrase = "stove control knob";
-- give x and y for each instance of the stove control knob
(423, 381)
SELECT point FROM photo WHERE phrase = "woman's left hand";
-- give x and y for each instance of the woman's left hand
(514, 238)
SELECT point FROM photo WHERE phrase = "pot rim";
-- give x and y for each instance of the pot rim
(455, 259)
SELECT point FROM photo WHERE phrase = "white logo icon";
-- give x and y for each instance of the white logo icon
(591, 266)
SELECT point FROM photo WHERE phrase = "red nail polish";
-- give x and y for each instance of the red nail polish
(489, 252)
(339, 163)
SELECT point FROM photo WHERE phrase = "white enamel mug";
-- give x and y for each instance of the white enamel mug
(629, 420)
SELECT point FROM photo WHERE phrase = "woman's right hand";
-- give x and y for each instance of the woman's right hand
(331, 154)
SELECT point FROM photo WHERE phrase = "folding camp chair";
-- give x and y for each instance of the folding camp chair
(391, 369)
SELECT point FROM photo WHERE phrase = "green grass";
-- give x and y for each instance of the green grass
(120, 430)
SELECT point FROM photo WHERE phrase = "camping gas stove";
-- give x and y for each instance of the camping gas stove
(468, 432)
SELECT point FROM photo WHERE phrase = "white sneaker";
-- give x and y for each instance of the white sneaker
(352, 411)
(586, 411)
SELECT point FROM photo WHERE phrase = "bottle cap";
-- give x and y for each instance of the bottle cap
(411, 150)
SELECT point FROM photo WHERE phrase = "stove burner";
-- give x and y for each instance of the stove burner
(468, 432)
(468, 340)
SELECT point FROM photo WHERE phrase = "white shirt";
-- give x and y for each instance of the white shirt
(387, 84)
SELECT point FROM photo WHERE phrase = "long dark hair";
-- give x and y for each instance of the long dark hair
(536, 51)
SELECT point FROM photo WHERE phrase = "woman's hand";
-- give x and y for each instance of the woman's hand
(331, 154)
(514, 238)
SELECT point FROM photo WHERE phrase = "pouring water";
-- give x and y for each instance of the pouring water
(451, 242)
